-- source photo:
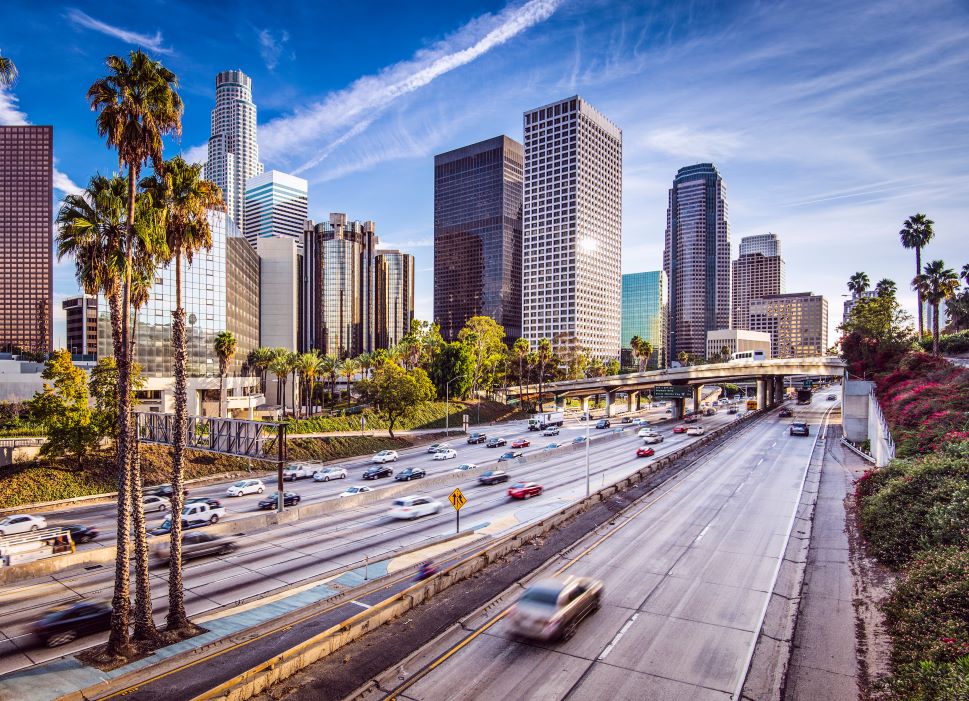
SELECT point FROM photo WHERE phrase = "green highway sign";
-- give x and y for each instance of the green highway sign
(672, 392)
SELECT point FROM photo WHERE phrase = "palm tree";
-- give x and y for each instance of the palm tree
(8, 72)
(684, 358)
(936, 284)
(366, 362)
(330, 368)
(916, 233)
(642, 349)
(858, 283)
(309, 369)
(348, 368)
(521, 349)
(137, 105)
(964, 273)
(544, 355)
(225, 347)
(885, 288)
(280, 367)
(260, 358)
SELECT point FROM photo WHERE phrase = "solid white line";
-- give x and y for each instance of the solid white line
(359, 603)
(702, 533)
(773, 444)
(622, 632)
(759, 461)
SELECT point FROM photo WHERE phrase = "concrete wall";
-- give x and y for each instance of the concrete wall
(882, 445)
(854, 409)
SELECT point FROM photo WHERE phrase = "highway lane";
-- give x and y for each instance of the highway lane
(686, 578)
(293, 553)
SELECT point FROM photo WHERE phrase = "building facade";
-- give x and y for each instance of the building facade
(275, 205)
(726, 342)
(281, 299)
(645, 308)
(393, 297)
(478, 235)
(233, 153)
(26, 244)
(797, 323)
(867, 294)
(338, 286)
(572, 227)
(766, 244)
(758, 272)
(696, 258)
(81, 314)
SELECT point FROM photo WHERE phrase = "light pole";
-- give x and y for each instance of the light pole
(587, 441)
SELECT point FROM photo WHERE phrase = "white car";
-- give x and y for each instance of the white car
(551, 431)
(465, 467)
(414, 507)
(153, 502)
(643, 432)
(652, 438)
(384, 456)
(330, 473)
(355, 490)
(445, 454)
(436, 447)
(21, 523)
(694, 431)
(245, 487)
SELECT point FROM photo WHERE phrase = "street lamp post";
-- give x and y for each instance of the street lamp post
(587, 489)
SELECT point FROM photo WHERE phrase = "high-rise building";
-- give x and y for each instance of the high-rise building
(393, 297)
(81, 314)
(645, 300)
(696, 258)
(280, 292)
(26, 244)
(478, 235)
(797, 323)
(726, 342)
(233, 150)
(275, 206)
(338, 286)
(572, 227)
(758, 272)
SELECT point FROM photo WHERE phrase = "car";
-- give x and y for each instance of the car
(831, 397)
(710, 412)
(493, 477)
(690, 419)
(626, 420)
(21, 523)
(81, 534)
(578, 439)
(785, 413)
(245, 487)
(643, 432)
(153, 502)
(477, 438)
(164, 490)
(524, 490)
(679, 429)
(64, 625)
(384, 456)
(197, 513)
(551, 431)
(414, 507)
(411, 473)
(510, 455)
(495, 442)
(733, 410)
(800, 428)
(445, 454)
(695, 431)
(214, 503)
(551, 609)
(669, 411)
(329, 473)
(552, 446)
(464, 467)
(521, 443)
(355, 490)
(197, 545)
(373, 473)
(603, 423)
(650, 438)
(271, 501)
(584, 417)
(641, 422)
(645, 452)
(434, 447)
(297, 471)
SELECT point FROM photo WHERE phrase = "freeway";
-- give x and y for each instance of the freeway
(293, 553)
(687, 576)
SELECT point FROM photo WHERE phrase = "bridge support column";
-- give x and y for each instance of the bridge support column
(779, 391)
(585, 406)
(697, 393)
(677, 404)
(761, 393)
(610, 404)
(632, 401)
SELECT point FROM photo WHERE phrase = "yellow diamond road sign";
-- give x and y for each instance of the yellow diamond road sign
(457, 499)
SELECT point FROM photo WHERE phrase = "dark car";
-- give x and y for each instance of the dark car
(732, 410)
(626, 420)
(510, 455)
(81, 534)
(603, 423)
(410, 473)
(214, 503)
(378, 471)
(166, 526)
(62, 626)
(493, 477)
(164, 490)
(495, 442)
(800, 428)
(477, 438)
(691, 419)
(578, 439)
(271, 501)
(198, 545)
(785, 413)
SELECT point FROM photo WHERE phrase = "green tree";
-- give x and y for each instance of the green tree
(683, 357)
(595, 368)
(885, 288)
(63, 412)
(875, 335)
(280, 367)
(612, 367)
(642, 351)
(916, 233)
(453, 363)
(330, 368)
(225, 347)
(260, 358)
(397, 392)
(419, 345)
(308, 368)
(348, 368)
(8, 72)
(485, 337)
(935, 285)
(858, 283)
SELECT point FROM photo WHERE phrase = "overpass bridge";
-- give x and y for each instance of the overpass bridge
(768, 374)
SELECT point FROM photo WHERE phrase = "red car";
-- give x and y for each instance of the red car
(524, 490)
(645, 452)
(679, 429)
(521, 443)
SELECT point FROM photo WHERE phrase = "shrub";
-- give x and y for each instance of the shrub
(949, 343)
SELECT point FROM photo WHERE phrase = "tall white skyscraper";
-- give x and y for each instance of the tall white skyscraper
(572, 228)
(275, 205)
(233, 151)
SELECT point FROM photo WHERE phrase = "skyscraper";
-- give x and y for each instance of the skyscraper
(275, 205)
(233, 150)
(572, 227)
(758, 272)
(796, 322)
(696, 258)
(393, 297)
(81, 315)
(645, 302)
(26, 245)
(478, 235)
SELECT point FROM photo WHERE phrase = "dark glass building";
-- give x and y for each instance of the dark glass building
(478, 235)
(26, 244)
(81, 315)
(645, 308)
(393, 297)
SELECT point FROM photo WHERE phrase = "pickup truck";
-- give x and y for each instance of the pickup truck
(298, 470)
(193, 516)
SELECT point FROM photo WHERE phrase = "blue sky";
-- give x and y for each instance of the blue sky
(831, 122)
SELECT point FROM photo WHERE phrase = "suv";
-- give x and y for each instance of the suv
(553, 608)
(477, 438)
(551, 431)
(800, 428)
(414, 507)
(603, 423)
(384, 456)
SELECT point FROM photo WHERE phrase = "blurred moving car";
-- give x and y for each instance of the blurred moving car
(434, 447)
(21, 523)
(62, 626)
(626, 420)
(197, 545)
(445, 454)
(551, 446)
(831, 397)
(524, 490)
(384, 456)
(464, 467)
(579, 439)
(643, 432)
(645, 452)
(414, 507)
(695, 431)
(691, 419)
(214, 503)
(551, 609)
(551, 431)
(373, 473)
(800, 428)
(411, 473)
(243, 487)
(679, 429)
(521, 443)
(81, 534)
(732, 410)
(785, 413)
(329, 473)
(494, 442)
(510, 455)
(271, 501)
(652, 437)
(603, 423)
(163, 490)
(355, 490)
(493, 477)
(153, 502)
(477, 438)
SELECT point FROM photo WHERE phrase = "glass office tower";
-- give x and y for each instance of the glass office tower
(645, 306)
(393, 297)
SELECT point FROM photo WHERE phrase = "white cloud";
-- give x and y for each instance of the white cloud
(271, 46)
(196, 154)
(686, 143)
(408, 244)
(150, 42)
(63, 183)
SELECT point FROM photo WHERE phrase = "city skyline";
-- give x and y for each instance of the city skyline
(831, 156)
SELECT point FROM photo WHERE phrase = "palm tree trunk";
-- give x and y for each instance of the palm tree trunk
(918, 292)
(935, 328)
(222, 407)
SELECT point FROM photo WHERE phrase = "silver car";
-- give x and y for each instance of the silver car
(551, 609)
